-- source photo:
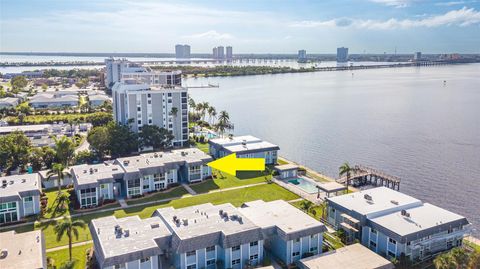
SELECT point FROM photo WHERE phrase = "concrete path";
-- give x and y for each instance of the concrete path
(237, 187)
(190, 190)
(122, 203)
(73, 245)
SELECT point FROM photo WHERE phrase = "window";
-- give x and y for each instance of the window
(8, 212)
(254, 243)
(409, 243)
(28, 199)
(211, 248)
(313, 249)
(373, 244)
(149, 95)
(149, 102)
(103, 186)
(254, 257)
(373, 231)
(133, 187)
(139, 109)
(145, 260)
(119, 266)
(235, 248)
(297, 240)
(313, 236)
(211, 262)
(192, 266)
(139, 122)
(392, 241)
(191, 253)
(391, 254)
(237, 261)
(296, 253)
(169, 94)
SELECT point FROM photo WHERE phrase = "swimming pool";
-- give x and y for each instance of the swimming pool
(304, 184)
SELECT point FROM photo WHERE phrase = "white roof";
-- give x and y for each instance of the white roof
(25, 250)
(205, 219)
(243, 143)
(420, 218)
(278, 213)
(354, 256)
(383, 199)
(19, 183)
(91, 173)
(142, 234)
(25, 128)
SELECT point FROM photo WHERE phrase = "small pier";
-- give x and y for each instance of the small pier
(362, 175)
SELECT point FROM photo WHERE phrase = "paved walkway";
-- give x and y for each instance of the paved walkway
(122, 203)
(73, 245)
(189, 189)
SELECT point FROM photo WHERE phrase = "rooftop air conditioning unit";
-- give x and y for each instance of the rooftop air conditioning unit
(3, 253)
(24, 180)
(367, 197)
(394, 202)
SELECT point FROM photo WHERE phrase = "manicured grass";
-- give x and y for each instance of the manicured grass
(79, 255)
(52, 211)
(224, 180)
(203, 147)
(171, 193)
(266, 192)
(315, 211)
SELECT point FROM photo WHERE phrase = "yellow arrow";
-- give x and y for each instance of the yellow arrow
(231, 164)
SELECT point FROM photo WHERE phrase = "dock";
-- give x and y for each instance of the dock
(363, 175)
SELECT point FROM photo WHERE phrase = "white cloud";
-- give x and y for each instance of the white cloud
(454, 3)
(461, 17)
(393, 3)
(212, 34)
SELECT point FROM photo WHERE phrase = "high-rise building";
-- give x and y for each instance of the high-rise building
(302, 56)
(139, 104)
(342, 55)
(417, 56)
(229, 53)
(182, 51)
(220, 52)
(115, 68)
(214, 53)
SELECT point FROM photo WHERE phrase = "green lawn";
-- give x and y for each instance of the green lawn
(280, 161)
(315, 211)
(224, 180)
(171, 193)
(52, 211)
(267, 192)
(202, 146)
(78, 255)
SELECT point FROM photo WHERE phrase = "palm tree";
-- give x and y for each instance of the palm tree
(69, 228)
(212, 112)
(58, 170)
(205, 108)
(306, 205)
(65, 149)
(223, 116)
(191, 103)
(345, 169)
(174, 111)
(61, 201)
(199, 108)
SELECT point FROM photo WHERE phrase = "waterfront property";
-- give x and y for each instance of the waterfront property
(353, 256)
(137, 175)
(286, 171)
(53, 100)
(206, 236)
(23, 250)
(289, 233)
(245, 147)
(19, 197)
(395, 224)
(142, 104)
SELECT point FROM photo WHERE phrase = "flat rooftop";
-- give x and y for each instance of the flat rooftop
(20, 185)
(353, 256)
(332, 186)
(281, 214)
(205, 219)
(25, 250)
(243, 143)
(92, 173)
(161, 158)
(418, 219)
(26, 128)
(382, 199)
(286, 167)
(141, 234)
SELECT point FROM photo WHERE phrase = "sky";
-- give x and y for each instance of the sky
(250, 26)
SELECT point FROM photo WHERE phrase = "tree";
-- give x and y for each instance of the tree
(123, 141)
(205, 108)
(224, 123)
(191, 103)
(15, 151)
(84, 156)
(58, 170)
(212, 113)
(306, 205)
(68, 228)
(99, 139)
(23, 108)
(156, 137)
(345, 169)
(19, 82)
(68, 265)
(65, 149)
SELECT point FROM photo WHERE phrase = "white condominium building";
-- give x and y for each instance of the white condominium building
(142, 104)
